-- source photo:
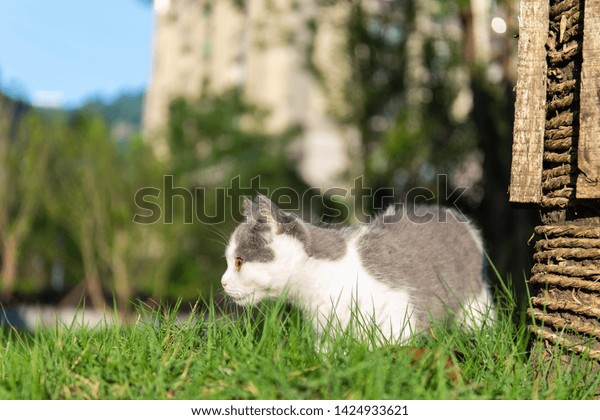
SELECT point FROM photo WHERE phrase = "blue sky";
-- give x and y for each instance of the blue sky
(71, 50)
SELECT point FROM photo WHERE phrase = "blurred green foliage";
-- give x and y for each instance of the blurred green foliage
(67, 208)
(125, 108)
(409, 71)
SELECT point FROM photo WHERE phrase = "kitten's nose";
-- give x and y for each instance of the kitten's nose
(223, 281)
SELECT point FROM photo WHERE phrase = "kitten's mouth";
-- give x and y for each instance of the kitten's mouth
(244, 300)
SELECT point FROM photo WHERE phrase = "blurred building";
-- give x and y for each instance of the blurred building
(263, 47)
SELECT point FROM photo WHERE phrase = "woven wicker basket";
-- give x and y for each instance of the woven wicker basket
(566, 276)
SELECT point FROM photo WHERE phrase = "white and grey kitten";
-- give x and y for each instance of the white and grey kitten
(395, 272)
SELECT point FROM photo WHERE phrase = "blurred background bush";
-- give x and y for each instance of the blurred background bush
(305, 95)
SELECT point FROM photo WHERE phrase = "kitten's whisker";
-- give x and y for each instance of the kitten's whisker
(218, 241)
(221, 234)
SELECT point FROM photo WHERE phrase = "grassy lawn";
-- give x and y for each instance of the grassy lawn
(270, 353)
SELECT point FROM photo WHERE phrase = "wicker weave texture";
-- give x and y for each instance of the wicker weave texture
(566, 274)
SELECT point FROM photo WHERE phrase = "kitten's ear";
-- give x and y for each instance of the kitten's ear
(270, 212)
(247, 207)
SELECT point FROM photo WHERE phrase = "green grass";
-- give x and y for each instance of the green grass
(270, 353)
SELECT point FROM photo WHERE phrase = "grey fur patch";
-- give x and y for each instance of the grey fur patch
(439, 264)
(252, 242)
(325, 244)
(263, 219)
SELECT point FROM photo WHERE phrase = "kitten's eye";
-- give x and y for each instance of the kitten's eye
(238, 263)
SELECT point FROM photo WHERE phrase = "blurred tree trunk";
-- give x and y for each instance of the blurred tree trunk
(120, 262)
(23, 158)
(12, 240)
(416, 72)
(9, 266)
(91, 272)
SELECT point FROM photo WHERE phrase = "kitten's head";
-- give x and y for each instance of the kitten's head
(263, 253)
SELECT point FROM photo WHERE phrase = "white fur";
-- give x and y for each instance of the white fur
(476, 235)
(331, 292)
(478, 311)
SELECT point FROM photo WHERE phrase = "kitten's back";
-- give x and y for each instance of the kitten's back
(433, 253)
